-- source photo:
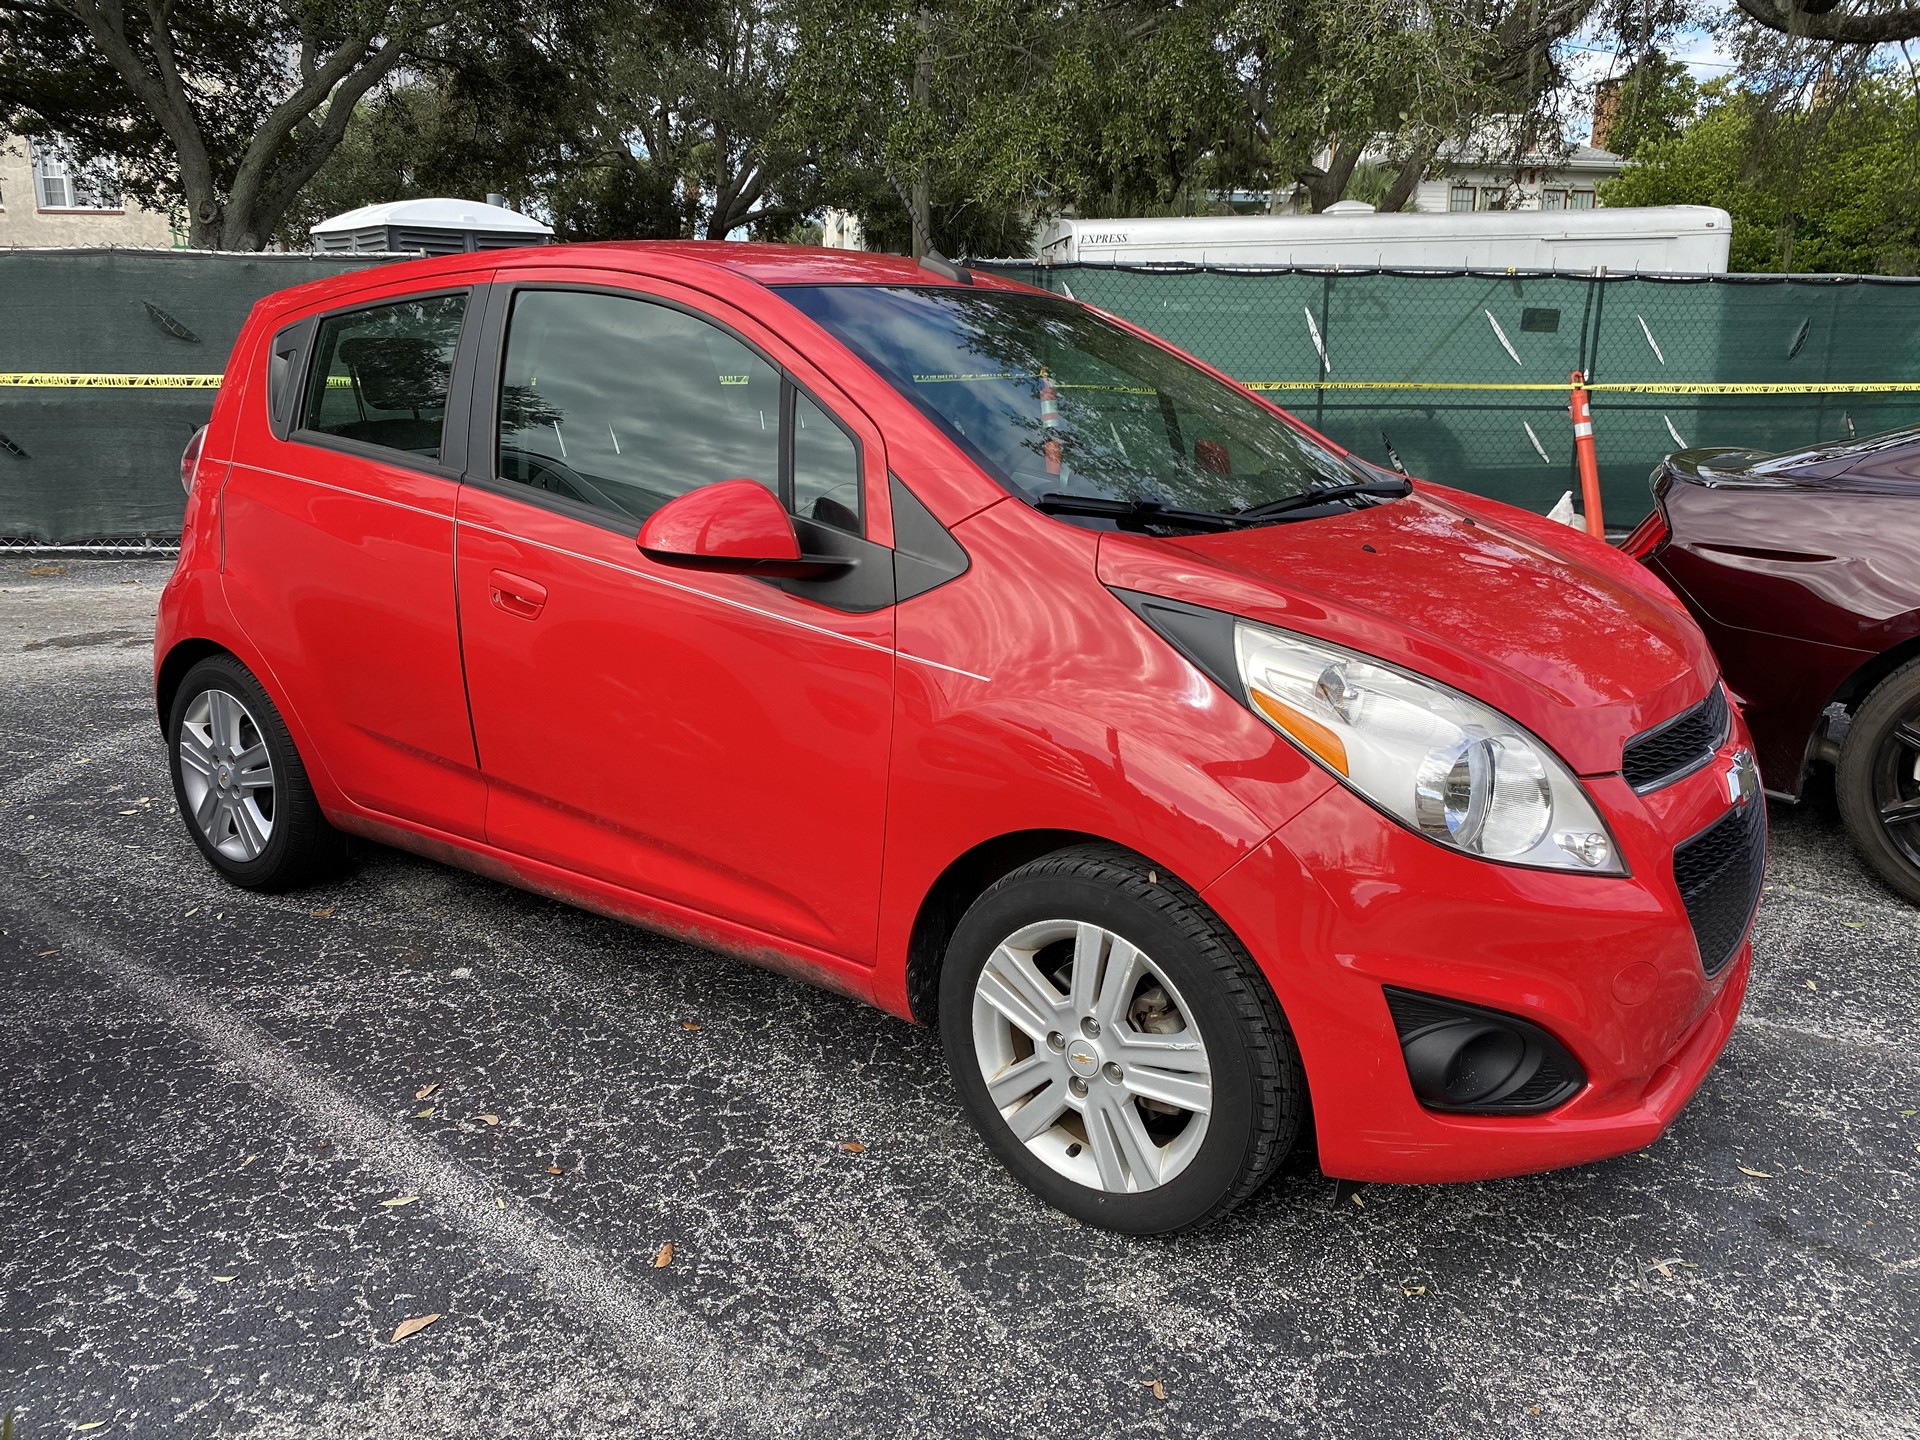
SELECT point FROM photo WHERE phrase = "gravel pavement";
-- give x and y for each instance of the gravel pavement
(242, 1138)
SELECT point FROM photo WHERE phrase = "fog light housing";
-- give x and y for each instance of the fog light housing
(1467, 1060)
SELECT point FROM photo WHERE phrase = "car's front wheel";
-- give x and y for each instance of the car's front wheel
(240, 783)
(1115, 1044)
(1878, 780)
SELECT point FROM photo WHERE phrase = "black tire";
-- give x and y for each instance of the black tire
(301, 847)
(1259, 1094)
(1877, 767)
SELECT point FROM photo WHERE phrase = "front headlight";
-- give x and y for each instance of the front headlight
(1455, 770)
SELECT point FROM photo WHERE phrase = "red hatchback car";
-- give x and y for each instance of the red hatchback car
(969, 651)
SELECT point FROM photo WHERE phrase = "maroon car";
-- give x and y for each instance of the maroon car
(1804, 569)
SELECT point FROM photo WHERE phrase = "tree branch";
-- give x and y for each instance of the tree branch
(1806, 22)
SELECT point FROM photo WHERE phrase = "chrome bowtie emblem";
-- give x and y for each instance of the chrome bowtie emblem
(1743, 780)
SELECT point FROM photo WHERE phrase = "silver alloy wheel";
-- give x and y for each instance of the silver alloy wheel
(1105, 1080)
(227, 774)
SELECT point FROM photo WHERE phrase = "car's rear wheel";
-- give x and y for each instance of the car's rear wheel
(1115, 1044)
(241, 786)
(1878, 780)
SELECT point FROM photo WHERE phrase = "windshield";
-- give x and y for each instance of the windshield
(1053, 400)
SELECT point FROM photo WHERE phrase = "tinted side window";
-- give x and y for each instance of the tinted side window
(826, 468)
(624, 404)
(380, 375)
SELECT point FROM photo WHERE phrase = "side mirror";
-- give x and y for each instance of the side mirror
(736, 526)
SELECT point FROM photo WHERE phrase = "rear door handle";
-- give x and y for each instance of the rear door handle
(516, 594)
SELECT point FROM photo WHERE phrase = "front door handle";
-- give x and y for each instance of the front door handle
(516, 594)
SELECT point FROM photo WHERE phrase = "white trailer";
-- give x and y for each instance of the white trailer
(1658, 239)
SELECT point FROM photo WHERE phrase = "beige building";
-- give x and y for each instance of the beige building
(47, 198)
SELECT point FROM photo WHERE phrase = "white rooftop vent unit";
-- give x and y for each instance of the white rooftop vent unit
(436, 227)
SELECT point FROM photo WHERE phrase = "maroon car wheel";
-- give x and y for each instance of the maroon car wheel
(1879, 780)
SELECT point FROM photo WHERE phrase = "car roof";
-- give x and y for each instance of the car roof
(751, 261)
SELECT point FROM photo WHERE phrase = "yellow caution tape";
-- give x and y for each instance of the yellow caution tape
(96, 380)
(100, 380)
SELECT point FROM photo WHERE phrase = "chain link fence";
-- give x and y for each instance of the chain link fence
(109, 359)
(1462, 376)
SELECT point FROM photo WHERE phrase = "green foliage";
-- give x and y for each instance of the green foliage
(224, 109)
(1126, 107)
(1656, 100)
(1833, 188)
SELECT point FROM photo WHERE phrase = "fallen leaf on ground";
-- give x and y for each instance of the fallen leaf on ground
(322, 913)
(191, 913)
(425, 1090)
(1159, 1388)
(411, 1327)
(426, 1114)
(853, 1147)
(664, 1257)
(689, 1024)
(91, 1424)
(134, 811)
(246, 1162)
(1666, 1267)
(488, 1119)
(555, 1170)
(1812, 986)
(1358, 1199)
(225, 1279)
(1411, 1290)
(1757, 1174)
(43, 955)
(398, 1200)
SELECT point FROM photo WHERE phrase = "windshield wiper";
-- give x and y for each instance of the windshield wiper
(1138, 512)
(1321, 494)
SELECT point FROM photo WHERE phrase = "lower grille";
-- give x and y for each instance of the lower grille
(1719, 873)
(1467, 1059)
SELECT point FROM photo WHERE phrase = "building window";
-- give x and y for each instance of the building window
(1580, 200)
(61, 182)
(1553, 199)
(1460, 197)
(1492, 197)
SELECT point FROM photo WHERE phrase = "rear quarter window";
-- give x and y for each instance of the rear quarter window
(380, 375)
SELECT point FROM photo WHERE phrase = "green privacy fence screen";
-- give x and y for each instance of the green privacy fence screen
(1421, 361)
(92, 463)
(1417, 361)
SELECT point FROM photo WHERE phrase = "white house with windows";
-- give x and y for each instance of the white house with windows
(49, 198)
(1463, 181)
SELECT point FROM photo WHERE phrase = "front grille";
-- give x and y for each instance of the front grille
(1682, 745)
(1719, 873)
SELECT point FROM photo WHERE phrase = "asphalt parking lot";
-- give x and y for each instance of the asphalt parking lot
(213, 1104)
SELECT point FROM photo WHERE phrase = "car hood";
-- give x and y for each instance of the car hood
(1827, 466)
(1564, 635)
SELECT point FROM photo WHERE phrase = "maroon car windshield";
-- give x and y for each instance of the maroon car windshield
(1052, 399)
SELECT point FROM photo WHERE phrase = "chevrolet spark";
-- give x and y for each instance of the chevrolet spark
(966, 650)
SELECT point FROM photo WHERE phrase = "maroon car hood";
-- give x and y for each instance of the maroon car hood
(1564, 635)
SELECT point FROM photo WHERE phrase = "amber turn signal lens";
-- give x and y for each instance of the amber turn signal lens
(1315, 737)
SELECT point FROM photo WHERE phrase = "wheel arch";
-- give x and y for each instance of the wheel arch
(174, 667)
(1850, 694)
(968, 877)
(964, 880)
(1856, 687)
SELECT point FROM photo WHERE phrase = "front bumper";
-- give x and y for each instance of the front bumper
(1342, 902)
